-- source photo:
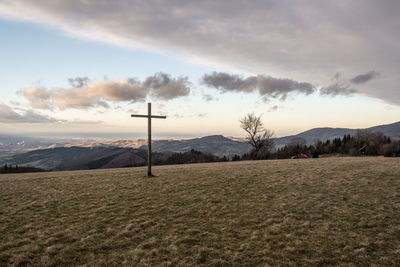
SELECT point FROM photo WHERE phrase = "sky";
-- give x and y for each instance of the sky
(83, 66)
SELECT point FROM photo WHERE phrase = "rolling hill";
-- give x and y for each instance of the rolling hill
(83, 158)
(214, 144)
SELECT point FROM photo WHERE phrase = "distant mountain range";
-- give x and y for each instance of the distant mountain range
(109, 155)
(220, 145)
(391, 130)
(97, 157)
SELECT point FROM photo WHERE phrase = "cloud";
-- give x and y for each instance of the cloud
(84, 122)
(226, 82)
(38, 97)
(178, 116)
(79, 82)
(285, 38)
(338, 87)
(280, 88)
(266, 86)
(85, 94)
(164, 87)
(273, 108)
(364, 78)
(207, 97)
(8, 115)
(91, 95)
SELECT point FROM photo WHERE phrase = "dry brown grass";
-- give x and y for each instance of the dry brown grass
(335, 211)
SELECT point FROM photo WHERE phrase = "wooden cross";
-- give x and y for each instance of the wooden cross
(149, 117)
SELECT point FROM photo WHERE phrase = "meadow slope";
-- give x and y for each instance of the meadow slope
(332, 211)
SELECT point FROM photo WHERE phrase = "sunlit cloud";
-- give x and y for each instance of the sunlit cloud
(8, 115)
(85, 94)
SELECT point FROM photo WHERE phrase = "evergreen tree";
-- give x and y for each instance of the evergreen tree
(236, 157)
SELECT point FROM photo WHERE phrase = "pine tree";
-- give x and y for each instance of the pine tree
(236, 157)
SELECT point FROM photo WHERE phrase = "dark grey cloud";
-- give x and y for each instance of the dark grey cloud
(280, 88)
(164, 87)
(78, 82)
(8, 115)
(226, 82)
(339, 87)
(364, 78)
(310, 39)
(267, 86)
(87, 94)
(276, 88)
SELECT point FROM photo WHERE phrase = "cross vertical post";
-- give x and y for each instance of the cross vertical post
(149, 139)
(149, 117)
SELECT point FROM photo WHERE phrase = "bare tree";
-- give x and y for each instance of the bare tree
(257, 136)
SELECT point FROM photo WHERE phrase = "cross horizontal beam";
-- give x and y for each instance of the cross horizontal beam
(147, 116)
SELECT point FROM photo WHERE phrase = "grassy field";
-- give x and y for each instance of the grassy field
(332, 211)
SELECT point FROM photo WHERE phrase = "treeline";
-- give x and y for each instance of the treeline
(362, 143)
(19, 169)
(191, 156)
